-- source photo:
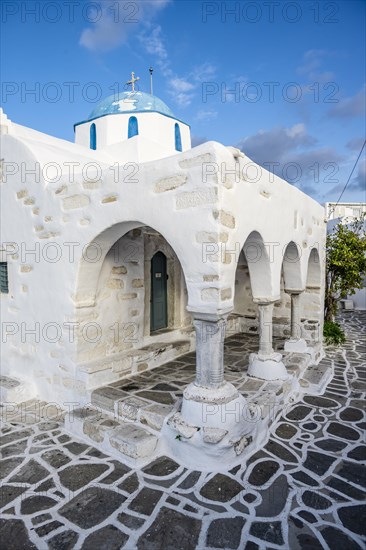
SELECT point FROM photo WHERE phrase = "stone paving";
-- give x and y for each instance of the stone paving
(305, 489)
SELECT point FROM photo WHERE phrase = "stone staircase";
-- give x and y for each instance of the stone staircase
(138, 418)
(120, 424)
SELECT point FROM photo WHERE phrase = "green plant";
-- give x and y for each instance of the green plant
(345, 263)
(333, 334)
(179, 437)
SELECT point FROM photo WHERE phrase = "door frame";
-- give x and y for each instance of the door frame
(164, 277)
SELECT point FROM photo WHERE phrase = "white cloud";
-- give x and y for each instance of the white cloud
(181, 88)
(350, 107)
(118, 19)
(206, 116)
(355, 144)
(310, 168)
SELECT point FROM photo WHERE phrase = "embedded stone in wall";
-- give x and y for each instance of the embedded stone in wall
(115, 283)
(226, 294)
(26, 268)
(111, 198)
(48, 235)
(229, 181)
(22, 193)
(29, 201)
(35, 211)
(75, 201)
(24, 288)
(265, 194)
(61, 189)
(207, 237)
(92, 184)
(225, 218)
(226, 258)
(119, 270)
(199, 197)
(195, 161)
(209, 294)
(83, 221)
(48, 218)
(167, 184)
(133, 312)
(129, 296)
(210, 278)
(137, 283)
(39, 228)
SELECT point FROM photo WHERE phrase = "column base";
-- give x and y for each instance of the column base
(268, 367)
(221, 408)
(296, 345)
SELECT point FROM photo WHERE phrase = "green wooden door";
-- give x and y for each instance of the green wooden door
(159, 301)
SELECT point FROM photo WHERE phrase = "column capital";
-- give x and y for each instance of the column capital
(266, 301)
(212, 317)
(294, 291)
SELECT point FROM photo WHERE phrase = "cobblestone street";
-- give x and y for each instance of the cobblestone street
(304, 490)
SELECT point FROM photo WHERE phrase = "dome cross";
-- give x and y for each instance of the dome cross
(132, 81)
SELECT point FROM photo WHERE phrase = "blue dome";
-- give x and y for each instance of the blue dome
(130, 102)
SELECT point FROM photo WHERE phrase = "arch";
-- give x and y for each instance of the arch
(291, 267)
(133, 127)
(177, 138)
(93, 257)
(93, 137)
(313, 279)
(258, 265)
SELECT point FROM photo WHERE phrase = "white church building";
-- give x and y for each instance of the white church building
(128, 248)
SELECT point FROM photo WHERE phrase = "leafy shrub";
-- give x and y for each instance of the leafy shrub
(333, 334)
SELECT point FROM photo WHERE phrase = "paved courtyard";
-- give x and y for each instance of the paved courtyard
(305, 489)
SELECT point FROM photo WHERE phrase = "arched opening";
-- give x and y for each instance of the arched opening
(291, 267)
(313, 279)
(252, 283)
(113, 298)
(312, 300)
(93, 137)
(177, 138)
(291, 280)
(133, 127)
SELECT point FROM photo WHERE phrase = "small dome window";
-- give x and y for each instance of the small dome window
(93, 137)
(177, 137)
(133, 127)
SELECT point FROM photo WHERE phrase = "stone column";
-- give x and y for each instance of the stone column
(295, 316)
(265, 330)
(266, 364)
(206, 400)
(296, 343)
(210, 337)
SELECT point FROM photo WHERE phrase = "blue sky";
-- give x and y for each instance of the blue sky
(296, 72)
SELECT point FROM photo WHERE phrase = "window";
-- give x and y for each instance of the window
(177, 137)
(133, 127)
(93, 137)
(4, 287)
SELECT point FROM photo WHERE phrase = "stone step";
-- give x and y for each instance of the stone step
(119, 438)
(14, 390)
(317, 377)
(111, 369)
(129, 407)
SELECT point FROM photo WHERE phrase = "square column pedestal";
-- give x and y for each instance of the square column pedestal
(210, 401)
(266, 364)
